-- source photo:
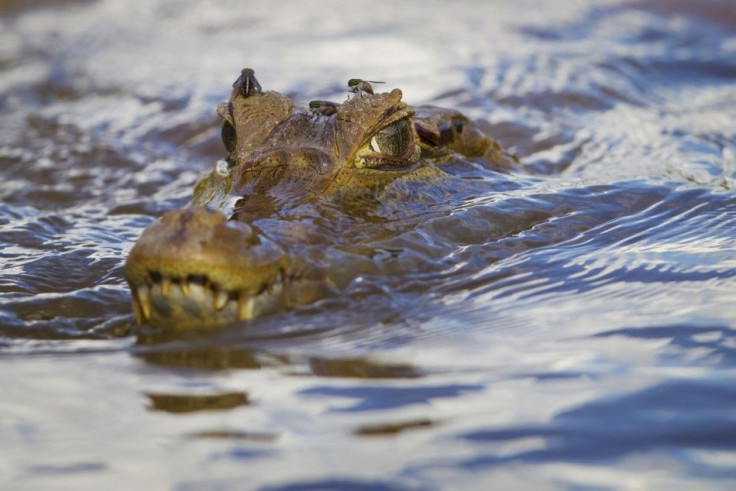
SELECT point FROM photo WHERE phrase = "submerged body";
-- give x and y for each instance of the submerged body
(293, 212)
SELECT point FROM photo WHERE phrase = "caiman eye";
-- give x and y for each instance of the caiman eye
(228, 136)
(392, 148)
(393, 140)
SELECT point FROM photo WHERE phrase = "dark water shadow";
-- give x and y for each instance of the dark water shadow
(669, 417)
(339, 485)
(381, 398)
(717, 340)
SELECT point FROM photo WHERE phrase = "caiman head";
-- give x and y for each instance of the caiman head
(268, 228)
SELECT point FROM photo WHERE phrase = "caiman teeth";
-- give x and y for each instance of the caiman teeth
(165, 286)
(185, 290)
(220, 298)
(245, 307)
(137, 306)
(143, 296)
(158, 297)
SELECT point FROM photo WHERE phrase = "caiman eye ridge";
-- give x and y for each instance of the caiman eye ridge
(201, 290)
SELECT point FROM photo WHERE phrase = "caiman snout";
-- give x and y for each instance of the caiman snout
(193, 267)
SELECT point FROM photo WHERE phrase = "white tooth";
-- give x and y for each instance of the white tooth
(245, 307)
(165, 286)
(220, 299)
(136, 306)
(144, 298)
(184, 285)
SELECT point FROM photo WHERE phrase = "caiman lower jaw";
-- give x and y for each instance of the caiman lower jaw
(197, 302)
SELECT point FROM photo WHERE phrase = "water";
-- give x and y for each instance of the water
(581, 334)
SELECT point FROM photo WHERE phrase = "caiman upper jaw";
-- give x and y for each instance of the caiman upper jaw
(194, 268)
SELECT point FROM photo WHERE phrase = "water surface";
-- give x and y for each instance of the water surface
(578, 328)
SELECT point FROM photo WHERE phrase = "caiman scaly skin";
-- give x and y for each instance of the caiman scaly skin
(260, 235)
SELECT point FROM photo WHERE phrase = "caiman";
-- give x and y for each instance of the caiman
(294, 212)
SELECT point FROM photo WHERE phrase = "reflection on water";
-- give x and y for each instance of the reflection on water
(357, 368)
(236, 435)
(390, 429)
(203, 357)
(567, 325)
(175, 403)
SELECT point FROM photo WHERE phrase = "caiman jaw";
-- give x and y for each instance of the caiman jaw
(197, 301)
(194, 268)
